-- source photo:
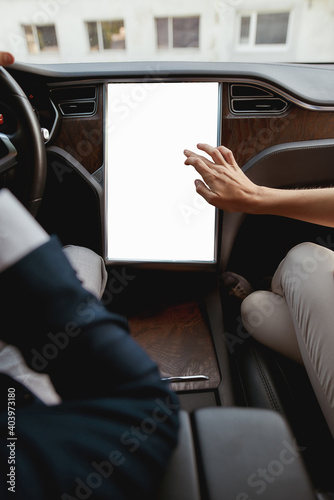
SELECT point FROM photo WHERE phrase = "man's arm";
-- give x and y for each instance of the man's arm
(228, 188)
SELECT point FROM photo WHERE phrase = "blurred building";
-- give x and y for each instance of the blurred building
(201, 30)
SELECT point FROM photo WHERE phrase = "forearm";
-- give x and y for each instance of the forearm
(228, 188)
(309, 205)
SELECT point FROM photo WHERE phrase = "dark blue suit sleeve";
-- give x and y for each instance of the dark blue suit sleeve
(115, 430)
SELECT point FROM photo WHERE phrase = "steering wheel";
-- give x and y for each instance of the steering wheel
(23, 161)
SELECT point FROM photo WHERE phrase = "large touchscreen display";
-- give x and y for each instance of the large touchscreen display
(153, 213)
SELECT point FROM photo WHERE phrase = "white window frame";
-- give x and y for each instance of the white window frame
(251, 46)
(34, 29)
(171, 33)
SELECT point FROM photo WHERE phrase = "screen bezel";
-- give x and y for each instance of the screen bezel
(160, 264)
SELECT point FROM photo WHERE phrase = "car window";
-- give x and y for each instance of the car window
(58, 31)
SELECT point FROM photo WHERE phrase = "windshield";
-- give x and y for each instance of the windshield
(58, 31)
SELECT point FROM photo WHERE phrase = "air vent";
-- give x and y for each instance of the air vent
(253, 99)
(75, 101)
(77, 108)
(249, 91)
(73, 93)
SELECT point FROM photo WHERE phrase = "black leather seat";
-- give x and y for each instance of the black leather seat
(271, 381)
(235, 453)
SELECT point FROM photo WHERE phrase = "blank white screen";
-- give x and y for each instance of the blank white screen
(153, 213)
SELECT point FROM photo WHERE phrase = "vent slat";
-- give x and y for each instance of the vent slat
(255, 99)
(78, 108)
(258, 105)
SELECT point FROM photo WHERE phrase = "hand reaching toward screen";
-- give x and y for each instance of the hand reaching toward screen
(225, 185)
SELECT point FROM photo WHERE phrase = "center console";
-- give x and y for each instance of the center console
(236, 454)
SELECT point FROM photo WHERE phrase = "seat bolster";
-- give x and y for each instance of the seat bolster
(181, 478)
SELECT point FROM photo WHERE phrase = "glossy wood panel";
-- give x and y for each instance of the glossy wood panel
(82, 137)
(245, 135)
(178, 339)
(248, 135)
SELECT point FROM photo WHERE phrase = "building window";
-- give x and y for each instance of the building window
(264, 28)
(41, 38)
(245, 29)
(177, 32)
(161, 25)
(106, 35)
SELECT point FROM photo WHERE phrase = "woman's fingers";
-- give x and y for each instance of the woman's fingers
(221, 156)
(199, 164)
(206, 168)
(214, 152)
(223, 183)
(229, 157)
(191, 154)
(204, 191)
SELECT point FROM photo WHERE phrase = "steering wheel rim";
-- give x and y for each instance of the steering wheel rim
(25, 148)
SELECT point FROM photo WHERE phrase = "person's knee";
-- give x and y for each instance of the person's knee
(257, 308)
(303, 261)
(250, 304)
(308, 255)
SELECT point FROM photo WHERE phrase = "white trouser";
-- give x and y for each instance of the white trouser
(297, 317)
(19, 235)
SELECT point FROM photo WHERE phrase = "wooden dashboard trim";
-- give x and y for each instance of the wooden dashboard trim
(248, 135)
(82, 137)
(245, 135)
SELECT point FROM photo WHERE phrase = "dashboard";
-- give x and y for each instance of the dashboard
(98, 117)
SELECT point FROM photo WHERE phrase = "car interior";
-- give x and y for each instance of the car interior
(250, 422)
